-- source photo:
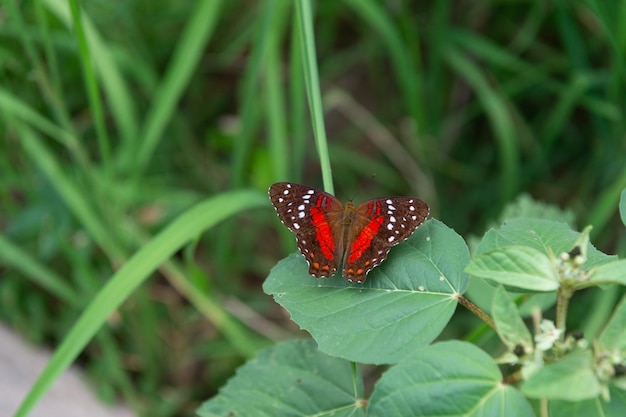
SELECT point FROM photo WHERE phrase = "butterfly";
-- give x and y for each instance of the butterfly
(328, 232)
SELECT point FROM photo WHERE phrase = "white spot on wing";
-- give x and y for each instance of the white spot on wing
(296, 225)
(390, 227)
(391, 239)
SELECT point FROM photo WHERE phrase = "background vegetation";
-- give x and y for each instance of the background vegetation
(116, 117)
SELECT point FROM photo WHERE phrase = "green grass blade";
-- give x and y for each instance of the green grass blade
(495, 106)
(14, 107)
(243, 342)
(49, 86)
(248, 94)
(113, 84)
(408, 73)
(14, 257)
(69, 191)
(299, 125)
(276, 112)
(91, 85)
(304, 17)
(606, 205)
(133, 273)
(184, 61)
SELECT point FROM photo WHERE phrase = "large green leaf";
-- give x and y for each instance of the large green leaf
(596, 407)
(403, 305)
(609, 273)
(571, 378)
(481, 292)
(516, 266)
(290, 379)
(541, 235)
(446, 379)
(509, 324)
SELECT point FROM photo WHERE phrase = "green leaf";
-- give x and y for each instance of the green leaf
(541, 235)
(594, 407)
(404, 304)
(481, 292)
(289, 379)
(608, 273)
(613, 335)
(517, 267)
(509, 323)
(571, 379)
(446, 379)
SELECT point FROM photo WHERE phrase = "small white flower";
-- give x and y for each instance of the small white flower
(548, 334)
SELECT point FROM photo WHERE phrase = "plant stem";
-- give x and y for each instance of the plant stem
(562, 303)
(513, 378)
(476, 310)
(543, 407)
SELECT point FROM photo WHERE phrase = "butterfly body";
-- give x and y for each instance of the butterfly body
(329, 234)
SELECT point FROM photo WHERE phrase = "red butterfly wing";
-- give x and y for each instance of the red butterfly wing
(315, 217)
(378, 225)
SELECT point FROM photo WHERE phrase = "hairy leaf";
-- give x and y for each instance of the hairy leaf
(404, 304)
(289, 379)
(517, 267)
(447, 379)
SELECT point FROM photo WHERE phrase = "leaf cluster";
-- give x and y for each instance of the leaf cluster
(406, 303)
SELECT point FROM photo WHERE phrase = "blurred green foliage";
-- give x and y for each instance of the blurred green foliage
(115, 117)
